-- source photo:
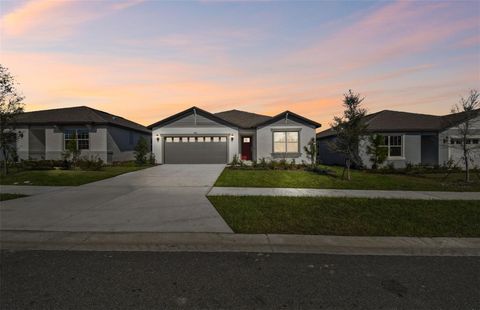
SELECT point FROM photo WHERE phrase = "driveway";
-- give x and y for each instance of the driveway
(167, 198)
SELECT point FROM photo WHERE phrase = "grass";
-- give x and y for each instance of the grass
(349, 216)
(7, 196)
(360, 180)
(64, 177)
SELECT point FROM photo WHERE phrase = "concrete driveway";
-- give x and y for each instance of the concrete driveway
(167, 198)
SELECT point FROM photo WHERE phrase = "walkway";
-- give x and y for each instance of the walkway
(307, 192)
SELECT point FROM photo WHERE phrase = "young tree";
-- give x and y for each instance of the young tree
(11, 105)
(72, 152)
(469, 106)
(141, 151)
(378, 153)
(311, 151)
(349, 129)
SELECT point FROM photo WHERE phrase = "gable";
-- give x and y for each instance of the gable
(192, 120)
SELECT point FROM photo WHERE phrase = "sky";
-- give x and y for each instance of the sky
(146, 60)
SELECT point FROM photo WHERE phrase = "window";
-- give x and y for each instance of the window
(207, 139)
(168, 139)
(191, 139)
(223, 139)
(246, 139)
(394, 146)
(216, 139)
(200, 139)
(81, 136)
(176, 139)
(285, 142)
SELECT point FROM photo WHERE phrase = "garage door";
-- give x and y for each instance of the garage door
(195, 150)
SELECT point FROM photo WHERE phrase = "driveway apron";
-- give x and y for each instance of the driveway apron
(167, 198)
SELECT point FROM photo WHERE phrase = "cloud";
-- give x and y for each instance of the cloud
(47, 19)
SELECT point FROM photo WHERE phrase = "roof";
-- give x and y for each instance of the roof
(77, 115)
(243, 119)
(197, 110)
(396, 121)
(234, 118)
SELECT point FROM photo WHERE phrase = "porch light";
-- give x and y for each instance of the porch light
(231, 137)
(158, 137)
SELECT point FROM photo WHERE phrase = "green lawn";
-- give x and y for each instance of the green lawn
(65, 177)
(349, 216)
(7, 196)
(360, 180)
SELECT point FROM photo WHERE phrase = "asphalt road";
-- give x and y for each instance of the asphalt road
(146, 280)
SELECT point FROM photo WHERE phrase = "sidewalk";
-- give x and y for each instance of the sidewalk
(307, 192)
(221, 242)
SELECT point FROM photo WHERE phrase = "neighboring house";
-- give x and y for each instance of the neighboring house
(196, 136)
(44, 134)
(411, 138)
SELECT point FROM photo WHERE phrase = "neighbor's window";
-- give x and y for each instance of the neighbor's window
(80, 135)
(285, 142)
(394, 145)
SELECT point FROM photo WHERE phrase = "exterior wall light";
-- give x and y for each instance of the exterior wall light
(158, 137)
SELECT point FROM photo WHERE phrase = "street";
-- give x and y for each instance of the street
(141, 280)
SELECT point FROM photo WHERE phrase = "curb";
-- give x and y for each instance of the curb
(221, 242)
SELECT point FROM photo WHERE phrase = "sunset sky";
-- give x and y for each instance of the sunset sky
(146, 60)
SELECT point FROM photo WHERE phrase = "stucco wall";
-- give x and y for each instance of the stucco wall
(265, 138)
(325, 155)
(121, 143)
(55, 145)
(22, 142)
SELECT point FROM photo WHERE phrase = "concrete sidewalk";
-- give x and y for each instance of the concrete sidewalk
(308, 192)
(225, 242)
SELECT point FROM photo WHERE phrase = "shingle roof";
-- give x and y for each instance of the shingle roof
(77, 115)
(395, 121)
(243, 119)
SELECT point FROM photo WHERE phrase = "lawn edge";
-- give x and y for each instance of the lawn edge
(229, 242)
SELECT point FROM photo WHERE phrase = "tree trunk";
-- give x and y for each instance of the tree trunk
(467, 168)
(348, 169)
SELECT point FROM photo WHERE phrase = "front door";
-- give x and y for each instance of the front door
(246, 148)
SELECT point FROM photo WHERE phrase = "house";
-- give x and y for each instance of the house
(411, 138)
(195, 136)
(44, 134)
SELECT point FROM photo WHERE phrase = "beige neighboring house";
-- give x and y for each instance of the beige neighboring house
(44, 134)
(412, 138)
(195, 136)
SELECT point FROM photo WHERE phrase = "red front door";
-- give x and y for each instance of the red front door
(246, 148)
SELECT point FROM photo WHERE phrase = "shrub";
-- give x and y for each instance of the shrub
(90, 164)
(141, 151)
(263, 163)
(151, 159)
(235, 161)
(320, 170)
(41, 164)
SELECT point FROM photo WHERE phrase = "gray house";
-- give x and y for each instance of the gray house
(411, 138)
(195, 136)
(44, 134)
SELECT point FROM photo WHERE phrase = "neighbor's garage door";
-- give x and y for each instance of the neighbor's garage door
(195, 150)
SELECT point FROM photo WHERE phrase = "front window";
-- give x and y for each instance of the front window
(80, 136)
(285, 142)
(394, 145)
